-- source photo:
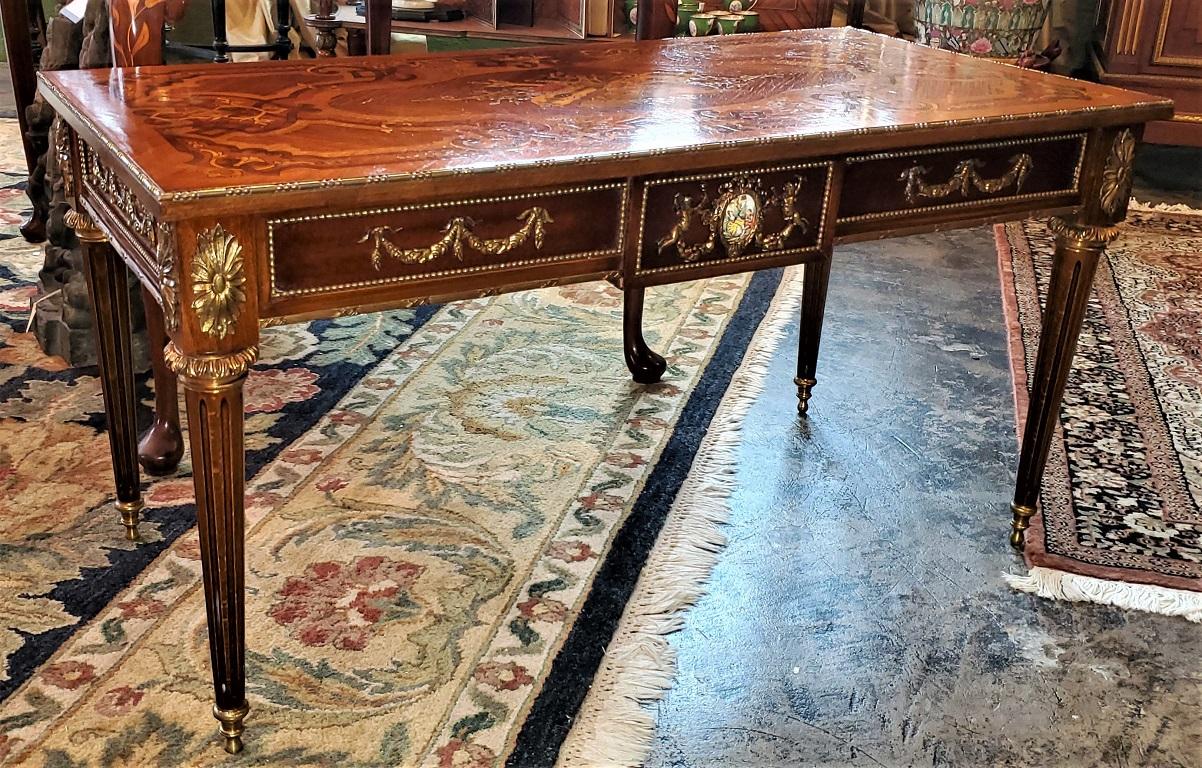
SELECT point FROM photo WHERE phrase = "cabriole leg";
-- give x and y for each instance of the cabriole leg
(162, 446)
(645, 366)
(109, 290)
(815, 276)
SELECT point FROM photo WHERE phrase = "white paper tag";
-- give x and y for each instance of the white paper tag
(75, 10)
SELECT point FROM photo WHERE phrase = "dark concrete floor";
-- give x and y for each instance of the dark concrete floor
(858, 616)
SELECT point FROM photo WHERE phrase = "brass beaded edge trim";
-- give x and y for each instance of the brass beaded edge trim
(623, 187)
(384, 306)
(816, 247)
(1081, 135)
(127, 162)
(250, 189)
(358, 181)
(1074, 188)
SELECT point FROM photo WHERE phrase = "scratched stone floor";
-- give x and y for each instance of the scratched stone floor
(858, 616)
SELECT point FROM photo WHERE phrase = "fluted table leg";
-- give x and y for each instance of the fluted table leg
(1080, 242)
(815, 276)
(108, 288)
(213, 394)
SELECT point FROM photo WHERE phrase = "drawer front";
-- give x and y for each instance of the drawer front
(737, 218)
(328, 252)
(897, 184)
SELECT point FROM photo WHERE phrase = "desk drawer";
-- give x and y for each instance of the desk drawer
(356, 250)
(731, 221)
(897, 184)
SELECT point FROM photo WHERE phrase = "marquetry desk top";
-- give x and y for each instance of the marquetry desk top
(183, 134)
(256, 194)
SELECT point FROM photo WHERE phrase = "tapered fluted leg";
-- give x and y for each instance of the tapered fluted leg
(1073, 266)
(162, 446)
(645, 366)
(815, 276)
(213, 394)
(109, 290)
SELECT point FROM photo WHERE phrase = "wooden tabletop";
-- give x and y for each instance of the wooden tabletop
(188, 133)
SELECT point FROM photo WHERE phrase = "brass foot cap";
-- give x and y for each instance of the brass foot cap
(130, 513)
(1022, 518)
(804, 393)
(231, 726)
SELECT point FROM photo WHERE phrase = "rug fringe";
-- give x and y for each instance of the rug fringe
(614, 726)
(1136, 205)
(1061, 585)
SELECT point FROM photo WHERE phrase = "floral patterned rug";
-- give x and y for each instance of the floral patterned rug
(1122, 496)
(433, 504)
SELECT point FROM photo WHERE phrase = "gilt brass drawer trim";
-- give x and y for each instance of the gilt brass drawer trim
(616, 250)
(1073, 188)
(751, 173)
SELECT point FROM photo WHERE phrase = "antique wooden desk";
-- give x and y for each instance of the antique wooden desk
(306, 189)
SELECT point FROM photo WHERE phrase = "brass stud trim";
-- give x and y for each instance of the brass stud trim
(829, 165)
(620, 237)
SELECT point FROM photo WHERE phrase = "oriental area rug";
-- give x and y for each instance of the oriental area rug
(448, 511)
(1120, 518)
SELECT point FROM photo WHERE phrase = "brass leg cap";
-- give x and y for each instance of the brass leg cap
(1020, 523)
(231, 726)
(805, 389)
(130, 512)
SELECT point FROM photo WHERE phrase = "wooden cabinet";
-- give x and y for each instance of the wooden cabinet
(1155, 46)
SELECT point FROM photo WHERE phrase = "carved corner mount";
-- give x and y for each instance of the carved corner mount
(166, 259)
(85, 229)
(1085, 235)
(459, 232)
(218, 281)
(213, 369)
(1117, 173)
(964, 178)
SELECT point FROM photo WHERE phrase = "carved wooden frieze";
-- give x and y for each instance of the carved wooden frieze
(102, 180)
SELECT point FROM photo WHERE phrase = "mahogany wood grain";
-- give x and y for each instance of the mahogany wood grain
(323, 188)
(270, 135)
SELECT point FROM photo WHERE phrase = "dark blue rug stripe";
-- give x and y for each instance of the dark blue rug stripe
(572, 672)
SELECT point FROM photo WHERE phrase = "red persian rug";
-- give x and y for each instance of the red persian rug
(1120, 517)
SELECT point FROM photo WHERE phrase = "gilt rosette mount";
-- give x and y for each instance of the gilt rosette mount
(735, 218)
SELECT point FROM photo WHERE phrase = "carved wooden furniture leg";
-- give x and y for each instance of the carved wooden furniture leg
(108, 288)
(213, 393)
(162, 446)
(815, 277)
(21, 68)
(326, 26)
(1079, 244)
(645, 366)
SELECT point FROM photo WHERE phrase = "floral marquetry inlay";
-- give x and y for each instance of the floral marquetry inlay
(218, 281)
